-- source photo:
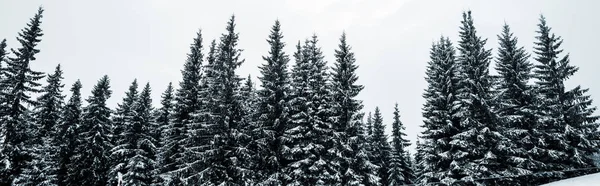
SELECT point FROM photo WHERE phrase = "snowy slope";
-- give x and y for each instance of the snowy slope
(591, 179)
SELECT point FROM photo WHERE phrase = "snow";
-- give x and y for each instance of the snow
(590, 179)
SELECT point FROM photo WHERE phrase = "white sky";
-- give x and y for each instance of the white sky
(149, 39)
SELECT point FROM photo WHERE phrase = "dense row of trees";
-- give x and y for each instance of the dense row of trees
(520, 127)
(304, 125)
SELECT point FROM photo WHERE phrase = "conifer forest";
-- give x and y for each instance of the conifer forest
(302, 123)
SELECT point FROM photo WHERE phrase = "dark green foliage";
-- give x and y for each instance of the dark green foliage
(381, 147)
(479, 143)
(400, 172)
(178, 139)
(570, 128)
(68, 132)
(18, 82)
(226, 158)
(121, 121)
(42, 169)
(138, 147)
(516, 106)
(272, 110)
(91, 165)
(356, 167)
(434, 150)
(162, 121)
(309, 135)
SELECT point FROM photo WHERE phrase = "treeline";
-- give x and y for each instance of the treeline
(521, 127)
(304, 125)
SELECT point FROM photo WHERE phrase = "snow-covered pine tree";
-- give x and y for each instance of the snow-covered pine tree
(138, 147)
(434, 151)
(272, 111)
(123, 112)
(179, 134)
(91, 162)
(307, 138)
(381, 147)
(68, 131)
(3, 54)
(369, 136)
(356, 167)
(516, 107)
(121, 119)
(249, 96)
(19, 80)
(42, 169)
(400, 172)
(200, 119)
(482, 149)
(418, 161)
(227, 157)
(569, 127)
(162, 118)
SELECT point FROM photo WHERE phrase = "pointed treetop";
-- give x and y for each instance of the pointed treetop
(76, 86)
(2, 49)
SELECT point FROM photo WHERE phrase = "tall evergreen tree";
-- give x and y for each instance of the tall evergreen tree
(186, 103)
(163, 117)
(226, 157)
(309, 135)
(381, 147)
(121, 121)
(516, 106)
(435, 150)
(400, 172)
(482, 148)
(42, 169)
(138, 147)
(91, 164)
(123, 112)
(18, 82)
(68, 131)
(272, 110)
(357, 168)
(191, 173)
(570, 130)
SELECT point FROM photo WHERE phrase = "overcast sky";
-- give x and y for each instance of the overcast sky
(149, 39)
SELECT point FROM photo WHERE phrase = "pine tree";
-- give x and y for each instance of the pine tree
(249, 97)
(42, 169)
(227, 156)
(67, 134)
(123, 112)
(419, 164)
(569, 128)
(309, 135)
(272, 111)
(179, 137)
(356, 165)
(435, 151)
(121, 121)
(368, 129)
(19, 80)
(516, 105)
(162, 119)
(200, 119)
(381, 147)
(400, 172)
(482, 148)
(138, 147)
(91, 164)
